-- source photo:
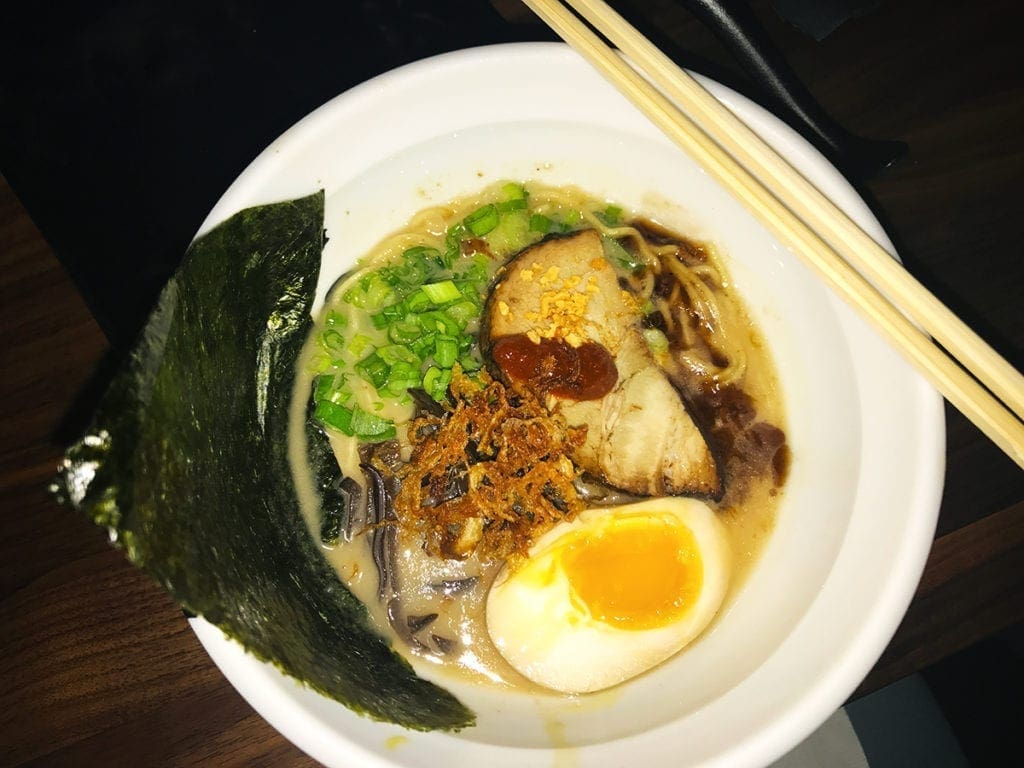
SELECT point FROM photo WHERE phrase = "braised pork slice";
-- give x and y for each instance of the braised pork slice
(559, 323)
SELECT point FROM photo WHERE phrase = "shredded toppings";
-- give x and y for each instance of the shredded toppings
(490, 476)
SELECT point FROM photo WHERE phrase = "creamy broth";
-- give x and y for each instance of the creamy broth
(456, 639)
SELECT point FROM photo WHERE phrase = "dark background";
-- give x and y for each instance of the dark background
(121, 123)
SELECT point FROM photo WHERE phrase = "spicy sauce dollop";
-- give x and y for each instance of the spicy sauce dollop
(552, 366)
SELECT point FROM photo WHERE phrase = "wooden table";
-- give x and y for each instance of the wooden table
(98, 664)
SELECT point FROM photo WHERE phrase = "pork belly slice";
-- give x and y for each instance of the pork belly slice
(563, 295)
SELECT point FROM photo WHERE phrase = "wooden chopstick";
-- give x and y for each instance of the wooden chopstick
(804, 199)
(803, 219)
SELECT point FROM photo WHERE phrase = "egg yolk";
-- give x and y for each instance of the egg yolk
(640, 572)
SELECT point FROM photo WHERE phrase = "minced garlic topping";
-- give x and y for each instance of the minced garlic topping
(563, 305)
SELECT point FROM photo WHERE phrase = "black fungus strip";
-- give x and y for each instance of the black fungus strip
(389, 535)
(425, 404)
(450, 587)
(404, 628)
(380, 510)
(594, 491)
(552, 494)
(444, 644)
(453, 484)
(416, 623)
(351, 492)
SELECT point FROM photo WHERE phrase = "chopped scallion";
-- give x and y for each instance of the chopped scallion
(369, 426)
(359, 344)
(482, 220)
(468, 363)
(323, 387)
(373, 369)
(540, 223)
(398, 353)
(463, 312)
(417, 301)
(333, 342)
(513, 191)
(439, 322)
(333, 416)
(404, 331)
(617, 254)
(336, 320)
(446, 351)
(442, 292)
(610, 216)
(656, 340)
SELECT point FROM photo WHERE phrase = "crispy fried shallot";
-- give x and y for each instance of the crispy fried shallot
(490, 475)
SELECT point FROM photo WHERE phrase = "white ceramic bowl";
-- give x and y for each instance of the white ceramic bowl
(866, 432)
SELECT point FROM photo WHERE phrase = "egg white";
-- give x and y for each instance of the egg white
(550, 638)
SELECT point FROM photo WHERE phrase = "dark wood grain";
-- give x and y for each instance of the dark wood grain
(972, 588)
(99, 666)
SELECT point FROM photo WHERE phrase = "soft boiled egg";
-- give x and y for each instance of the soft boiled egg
(611, 594)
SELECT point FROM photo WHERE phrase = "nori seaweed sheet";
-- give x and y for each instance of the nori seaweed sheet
(186, 463)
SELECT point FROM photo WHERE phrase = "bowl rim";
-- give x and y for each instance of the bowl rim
(834, 685)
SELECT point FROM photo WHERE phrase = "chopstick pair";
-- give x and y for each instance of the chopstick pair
(810, 224)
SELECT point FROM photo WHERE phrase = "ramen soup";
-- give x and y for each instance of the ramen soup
(559, 438)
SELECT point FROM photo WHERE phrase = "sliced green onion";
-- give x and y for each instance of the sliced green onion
(435, 383)
(482, 220)
(394, 353)
(513, 191)
(453, 244)
(417, 301)
(334, 416)
(329, 387)
(439, 322)
(373, 369)
(463, 311)
(336, 320)
(656, 340)
(540, 223)
(320, 362)
(611, 216)
(419, 264)
(405, 330)
(442, 293)
(369, 426)
(618, 255)
(468, 363)
(511, 235)
(403, 376)
(424, 253)
(507, 206)
(446, 351)
(332, 341)
(371, 292)
(424, 345)
(441, 386)
(359, 344)
(323, 387)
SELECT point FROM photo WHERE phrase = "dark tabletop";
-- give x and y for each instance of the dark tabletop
(121, 123)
